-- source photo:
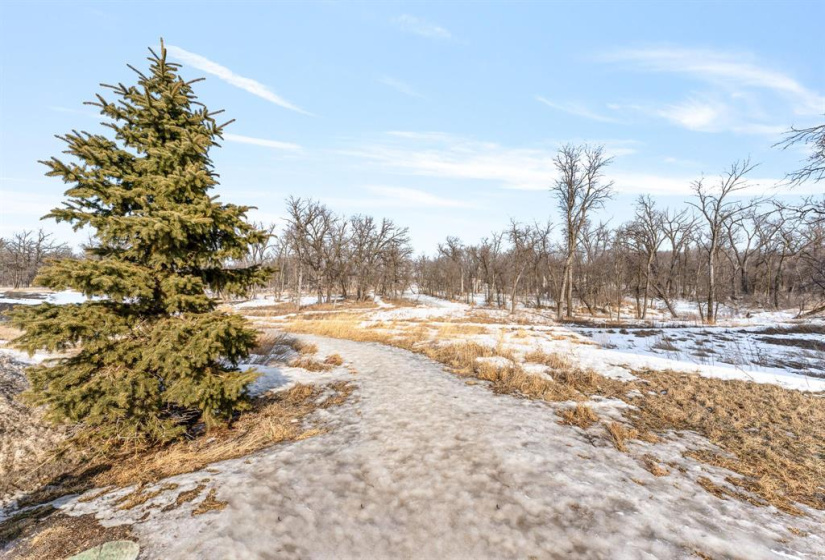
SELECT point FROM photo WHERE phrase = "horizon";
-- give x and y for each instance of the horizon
(427, 114)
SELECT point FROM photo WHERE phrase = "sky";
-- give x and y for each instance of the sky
(444, 117)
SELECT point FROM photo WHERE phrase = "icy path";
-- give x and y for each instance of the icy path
(422, 465)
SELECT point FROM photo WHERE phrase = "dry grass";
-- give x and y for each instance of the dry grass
(279, 344)
(46, 535)
(349, 304)
(773, 437)
(267, 343)
(619, 434)
(466, 358)
(453, 329)
(269, 423)
(401, 302)
(551, 360)
(272, 420)
(580, 415)
(460, 356)
(305, 348)
(651, 465)
(276, 310)
(209, 503)
(334, 360)
(186, 496)
(338, 327)
(310, 364)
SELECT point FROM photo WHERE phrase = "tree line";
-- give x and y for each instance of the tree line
(334, 256)
(720, 247)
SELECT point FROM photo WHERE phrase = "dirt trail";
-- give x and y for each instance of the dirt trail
(422, 465)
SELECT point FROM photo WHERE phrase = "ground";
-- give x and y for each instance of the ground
(436, 454)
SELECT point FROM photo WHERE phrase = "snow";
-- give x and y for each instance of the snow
(725, 352)
(35, 298)
(709, 351)
(422, 465)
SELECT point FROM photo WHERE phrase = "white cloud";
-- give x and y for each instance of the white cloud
(438, 154)
(444, 155)
(695, 115)
(576, 109)
(222, 72)
(422, 27)
(741, 96)
(707, 114)
(732, 70)
(397, 197)
(287, 146)
(400, 86)
(414, 197)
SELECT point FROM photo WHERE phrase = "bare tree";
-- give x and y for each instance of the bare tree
(814, 168)
(22, 255)
(579, 189)
(715, 206)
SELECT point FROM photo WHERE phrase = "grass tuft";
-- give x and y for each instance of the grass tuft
(581, 415)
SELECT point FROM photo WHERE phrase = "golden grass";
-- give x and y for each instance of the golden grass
(521, 333)
(48, 535)
(281, 343)
(186, 496)
(276, 310)
(464, 358)
(334, 360)
(619, 434)
(552, 360)
(773, 437)
(580, 415)
(270, 421)
(651, 465)
(136, 498)
(452, 330)
(310, 364)
(209, 503)
(342, 305)
(305, 348)
(266, 343)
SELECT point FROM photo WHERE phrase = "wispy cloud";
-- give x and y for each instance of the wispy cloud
(577, 109)
(380, 196)
(400, 86)
(406, 197)
(448, 156)
(422, 27)
(222, 72)
(733, 70)
(451, 157)
(695, 114)
(278, 145)
(707, 113)
(443, 155)
(739, 94)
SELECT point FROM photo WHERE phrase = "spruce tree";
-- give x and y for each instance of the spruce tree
(149, 355)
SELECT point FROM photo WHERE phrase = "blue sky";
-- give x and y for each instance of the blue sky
(443, 116)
